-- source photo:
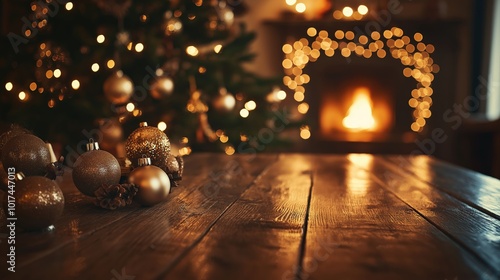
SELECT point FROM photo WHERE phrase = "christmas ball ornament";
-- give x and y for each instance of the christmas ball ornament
(26, 153)
(118, 88)
(147, 141)
(152, 182)
(162, 86)
(14, 131)
(174, 166)
(224, 102)
(95, 168)
(39, 202)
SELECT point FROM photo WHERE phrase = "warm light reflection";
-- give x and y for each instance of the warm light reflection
(358, 173)
(359, 116)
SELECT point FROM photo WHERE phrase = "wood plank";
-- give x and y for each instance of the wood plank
(149, 239)
(259, 237)
(474, 230)
(477, 190)
(359, 230)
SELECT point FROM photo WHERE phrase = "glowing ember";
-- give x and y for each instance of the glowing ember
(359, 116)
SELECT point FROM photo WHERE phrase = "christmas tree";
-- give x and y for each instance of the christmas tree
(97, 68)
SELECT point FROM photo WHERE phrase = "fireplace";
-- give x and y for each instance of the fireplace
(368, 92)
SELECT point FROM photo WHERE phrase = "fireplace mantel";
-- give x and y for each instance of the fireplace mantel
(443, 34)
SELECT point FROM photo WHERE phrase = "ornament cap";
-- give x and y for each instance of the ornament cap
(143, 124)
(144, 161)
(20, 176)
(91, 145)
(53, 157)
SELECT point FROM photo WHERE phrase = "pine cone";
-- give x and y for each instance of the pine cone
(115, 196)
(174, 166)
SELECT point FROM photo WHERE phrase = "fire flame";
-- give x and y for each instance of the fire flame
(359, 116)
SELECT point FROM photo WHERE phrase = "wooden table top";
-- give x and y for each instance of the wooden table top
(286, 216)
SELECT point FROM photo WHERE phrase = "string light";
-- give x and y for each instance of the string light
(22, 96)
(250, 105)
(75, 84)
(9, 86)
(362, 10)
(281, 95)
(244, 113)
(229, 150)
(305, 133)
(192, 51)
(33, 86)
(69, 6)
(303, 108)
(130, 107)
(291, 2)
(110, 64)
(139, 47)
(100, 39)
(223, 138)
(57, 73)
(162, 126)
(217, 48)
(347, 11)
(414, 55)
(184, 151)
(95, 67)
(300, 7)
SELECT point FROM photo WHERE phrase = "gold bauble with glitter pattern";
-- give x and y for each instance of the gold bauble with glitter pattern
(39, 202)
(148, 141)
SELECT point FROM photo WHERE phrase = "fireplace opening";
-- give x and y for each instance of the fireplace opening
(359, 116)
(361, 101)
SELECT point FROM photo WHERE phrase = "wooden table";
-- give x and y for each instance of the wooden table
(284, 216)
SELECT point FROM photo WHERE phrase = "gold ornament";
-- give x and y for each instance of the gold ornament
(148, 141)
(94, 169)
(39, 202)
(118, 88)
(14, 131)
(163, 86)
(224, 102)
(174, 166)
(26, 153)
(152, 181)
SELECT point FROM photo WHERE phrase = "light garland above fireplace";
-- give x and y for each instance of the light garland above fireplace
(413, 53)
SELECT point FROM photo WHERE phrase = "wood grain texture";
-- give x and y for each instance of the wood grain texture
(290, 216)
(477, 190)
(359, 230)
(260, 235)
(473, 229)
